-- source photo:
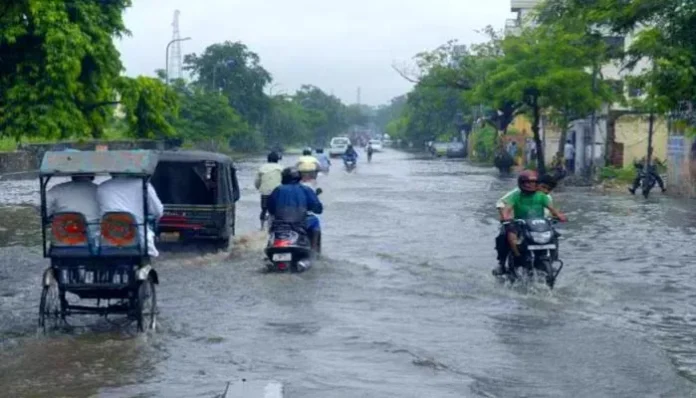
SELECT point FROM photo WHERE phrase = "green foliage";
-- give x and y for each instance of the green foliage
(325, 114)
(208, 120)
(236, 72)
(624, 175)
(483, 143)
(147, 102)
(59, 66)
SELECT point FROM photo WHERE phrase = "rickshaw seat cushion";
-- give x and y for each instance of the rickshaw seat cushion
(72, 244)
(113, 244)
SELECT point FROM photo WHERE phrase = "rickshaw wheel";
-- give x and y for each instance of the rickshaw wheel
(50, 307)
(146, 311)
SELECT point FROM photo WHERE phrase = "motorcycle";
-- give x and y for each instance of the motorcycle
(350, 165)
(538, 245)
(289, 248)
(647, 183)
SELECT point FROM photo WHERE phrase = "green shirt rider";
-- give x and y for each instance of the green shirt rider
(528, 202)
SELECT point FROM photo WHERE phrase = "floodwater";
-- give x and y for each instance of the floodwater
(403, 305)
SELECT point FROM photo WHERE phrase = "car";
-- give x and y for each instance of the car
(376, 145)
(338, 146)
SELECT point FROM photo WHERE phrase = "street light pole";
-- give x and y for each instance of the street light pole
(166, 73)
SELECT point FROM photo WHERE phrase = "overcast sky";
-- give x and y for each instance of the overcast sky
(333, 44)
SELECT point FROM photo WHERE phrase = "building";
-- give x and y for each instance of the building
(620, 135)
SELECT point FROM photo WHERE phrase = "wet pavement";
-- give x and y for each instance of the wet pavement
(403, 305)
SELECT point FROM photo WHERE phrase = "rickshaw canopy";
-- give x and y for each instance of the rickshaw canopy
(194, 157)
(68, 163)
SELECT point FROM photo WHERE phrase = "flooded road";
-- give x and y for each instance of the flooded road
(403, 306)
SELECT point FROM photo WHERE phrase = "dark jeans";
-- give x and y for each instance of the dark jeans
(636, 182)
(570, 165)
(502, 247)
(264, 207)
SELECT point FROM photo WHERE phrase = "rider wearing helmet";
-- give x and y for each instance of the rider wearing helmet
(324, 162)
(307, 164)
(525, 204)
(290, 203)
(350, 155)
(267, 179)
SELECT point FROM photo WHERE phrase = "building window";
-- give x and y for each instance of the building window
(617, 86)
(634, 91)
(615, 45)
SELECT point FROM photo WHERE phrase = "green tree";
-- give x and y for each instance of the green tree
(325, 113)
(207, 120)
(544, 69)
(58, 66)
(235, 71)
(287, 123)
(147, 102)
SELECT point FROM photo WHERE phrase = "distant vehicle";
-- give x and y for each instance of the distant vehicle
(376, 145)
(439, 149)
(338, 146)
(456, 149)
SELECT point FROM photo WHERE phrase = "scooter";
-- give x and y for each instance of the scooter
(350, 165)
(289, 248)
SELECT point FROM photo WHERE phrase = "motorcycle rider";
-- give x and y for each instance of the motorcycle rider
(501, 243)
(652, 170)
(324, 162)
(290, 203)
(267, 179)
(350, 155)
(308, 164)
(525, 204)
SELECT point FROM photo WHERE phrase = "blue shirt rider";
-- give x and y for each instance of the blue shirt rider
(350, 155)
(290, 202)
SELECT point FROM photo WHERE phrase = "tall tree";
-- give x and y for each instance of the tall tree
(235, 71)
(147, 103)
(326, 113)
(543, 69)
(58, 66)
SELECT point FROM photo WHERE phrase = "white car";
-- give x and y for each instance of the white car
(376, 145)
(338, 146)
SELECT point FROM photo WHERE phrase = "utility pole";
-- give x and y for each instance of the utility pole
(166, 73)
(358, 96)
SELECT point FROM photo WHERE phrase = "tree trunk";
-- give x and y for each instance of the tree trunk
(541, 164)
(651, 124)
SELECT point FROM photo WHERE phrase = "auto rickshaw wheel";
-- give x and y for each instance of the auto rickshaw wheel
(50, 307)
(146, 310)
(222, 244)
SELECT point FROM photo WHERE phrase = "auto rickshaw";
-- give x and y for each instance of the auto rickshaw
(198, 190)
(107, 262)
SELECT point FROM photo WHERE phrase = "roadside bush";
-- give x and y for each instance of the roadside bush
(620, 174)
(483, 144)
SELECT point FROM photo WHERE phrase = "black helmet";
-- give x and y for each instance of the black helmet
(526, 177)
(273, 157)
(290, 175)
(307, 152)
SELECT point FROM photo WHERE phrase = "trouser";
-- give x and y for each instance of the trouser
(660, 182)
(570, 165)
(502, 247)
(264, 207)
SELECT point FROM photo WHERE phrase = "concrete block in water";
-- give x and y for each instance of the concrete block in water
(253, 389)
